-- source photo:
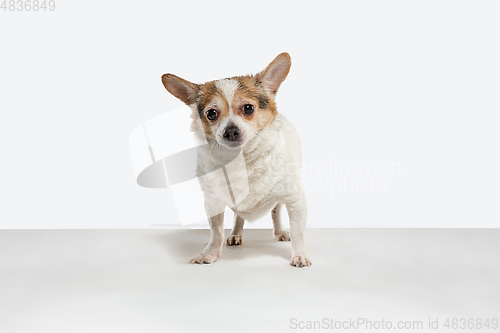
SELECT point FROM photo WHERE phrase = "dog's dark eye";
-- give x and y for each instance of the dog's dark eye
(248, 109)
(211, 114)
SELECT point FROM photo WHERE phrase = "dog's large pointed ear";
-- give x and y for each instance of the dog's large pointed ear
(182, 89)
(275, 73)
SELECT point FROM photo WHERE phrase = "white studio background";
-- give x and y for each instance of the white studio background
(396, 103)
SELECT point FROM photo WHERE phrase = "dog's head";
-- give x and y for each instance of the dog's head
(233, 110)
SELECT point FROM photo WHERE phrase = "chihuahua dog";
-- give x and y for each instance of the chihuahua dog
(238, 115)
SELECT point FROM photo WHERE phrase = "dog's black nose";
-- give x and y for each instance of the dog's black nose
(231, 133)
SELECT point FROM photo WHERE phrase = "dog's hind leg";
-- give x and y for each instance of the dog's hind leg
(279, 230)
(236, 238)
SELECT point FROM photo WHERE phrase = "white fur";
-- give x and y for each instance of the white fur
(228, 88)
(271, 172)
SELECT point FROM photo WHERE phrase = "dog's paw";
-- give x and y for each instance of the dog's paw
(204, 258)
(282, 236)
(300, 261)
(234, 240)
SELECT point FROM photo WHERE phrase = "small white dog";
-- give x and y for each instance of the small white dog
(236, 115)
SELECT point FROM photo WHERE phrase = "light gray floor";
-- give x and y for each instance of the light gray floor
(140, 280)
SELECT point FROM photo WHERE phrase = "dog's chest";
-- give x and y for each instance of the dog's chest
(254, 181)
(243, 188)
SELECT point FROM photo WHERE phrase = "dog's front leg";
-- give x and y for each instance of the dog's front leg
(214, 248)
(297, 211)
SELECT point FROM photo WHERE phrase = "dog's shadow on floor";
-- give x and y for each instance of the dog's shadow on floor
(186, 244)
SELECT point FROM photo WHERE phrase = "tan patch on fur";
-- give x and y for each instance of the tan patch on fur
(250, 91)
(209, 97)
